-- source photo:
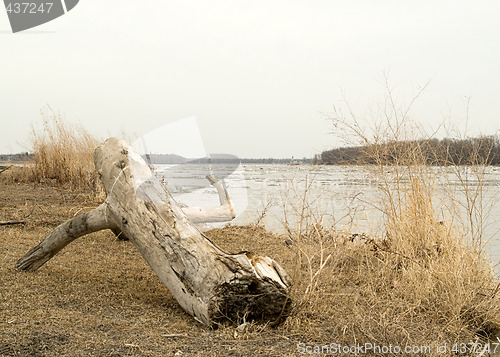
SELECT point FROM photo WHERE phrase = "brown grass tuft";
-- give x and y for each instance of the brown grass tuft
(63, 153)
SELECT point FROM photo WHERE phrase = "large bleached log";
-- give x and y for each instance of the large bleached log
(208, 283)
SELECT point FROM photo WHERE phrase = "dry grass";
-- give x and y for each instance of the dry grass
(63, 153)
(98, 297)
(419, 284)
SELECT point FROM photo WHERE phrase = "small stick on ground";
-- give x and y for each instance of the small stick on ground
(9, 223)
(5, 169)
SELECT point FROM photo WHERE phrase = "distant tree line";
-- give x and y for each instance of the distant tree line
(469, 151)
(24, 156)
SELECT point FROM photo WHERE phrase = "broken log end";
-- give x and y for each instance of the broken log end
(261, 295)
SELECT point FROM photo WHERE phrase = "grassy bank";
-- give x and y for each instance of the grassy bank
(98, 297)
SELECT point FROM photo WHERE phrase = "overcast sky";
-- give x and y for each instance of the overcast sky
(257, 75)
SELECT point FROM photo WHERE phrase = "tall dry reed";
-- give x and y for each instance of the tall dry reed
(63, 152)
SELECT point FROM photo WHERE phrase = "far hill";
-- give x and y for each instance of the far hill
(165, 159)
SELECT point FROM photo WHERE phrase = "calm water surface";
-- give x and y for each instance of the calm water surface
(346, 196)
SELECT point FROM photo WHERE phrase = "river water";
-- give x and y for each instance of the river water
(344, 196)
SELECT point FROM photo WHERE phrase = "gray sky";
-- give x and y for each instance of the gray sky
(257, 75)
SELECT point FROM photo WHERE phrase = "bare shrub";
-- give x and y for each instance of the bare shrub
(421, 280)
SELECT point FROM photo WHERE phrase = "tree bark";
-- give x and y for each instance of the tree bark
(208, 283)
(201, 215)
(64, 234)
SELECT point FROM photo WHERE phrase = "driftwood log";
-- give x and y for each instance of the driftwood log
(209, 284)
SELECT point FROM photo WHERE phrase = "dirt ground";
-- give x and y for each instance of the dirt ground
(98, 297)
